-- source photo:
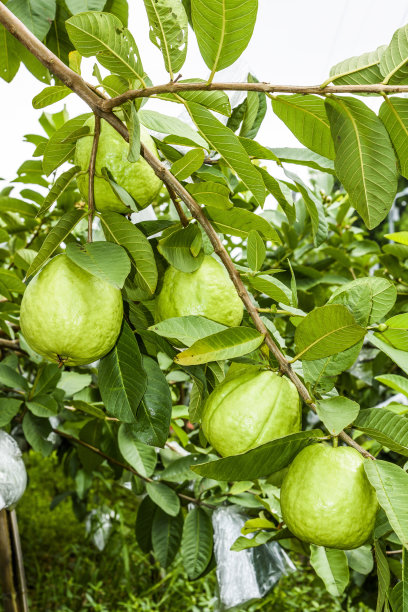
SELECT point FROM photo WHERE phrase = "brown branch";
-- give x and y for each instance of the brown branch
(125, 466)
(177, 206)
(173, 87)
(92, 163)
(10, 344)
(102, 109)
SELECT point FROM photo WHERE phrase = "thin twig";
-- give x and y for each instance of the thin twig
(174, 87)
(95, 450)
(10, 344)
(92, 164)
(394, 552)
(102, 109)
(177, 206)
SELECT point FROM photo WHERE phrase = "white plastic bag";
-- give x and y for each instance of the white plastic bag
(13, 475)
(247, 574)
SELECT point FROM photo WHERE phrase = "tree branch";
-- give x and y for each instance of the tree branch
(177, 206)
(174, 88)
(125, 466)
(98, 105)
(92, 163)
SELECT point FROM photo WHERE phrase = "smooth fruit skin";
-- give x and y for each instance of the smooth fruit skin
(137, 178)
(250, 409)
(208, 292)
(327, 499)
(68, 315)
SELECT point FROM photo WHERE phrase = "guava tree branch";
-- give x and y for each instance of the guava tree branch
(125, 466)
(78, 85)
(92, 163)
(320, 90)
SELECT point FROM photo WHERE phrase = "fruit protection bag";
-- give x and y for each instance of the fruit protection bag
(13, 475)
(248, 574)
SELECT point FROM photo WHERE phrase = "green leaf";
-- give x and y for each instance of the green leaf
(170, 125)
(331, 566)
(282, 194)
(11, 281)
(105, 260)
(133, 126)
(168, 31)
(272, 287)
(49, 95)
(144, 523)
(223, 140)
(337, 413)
(304, 157)
(258, 462)
(365, 160)
(11, 378)
(391, 485)
(326, 331)
(72, 382)
(397, 356)
(383, 573)
(177, 247)
(36, 431)
(197, 542)
(8, 409)
(122, 380)
(306, 117)
(239, 222)
(164, 497)
(358, 70)
(58, 189)
(189, 163)
(230, 24)
(393, 63)
(61, 145)
(122, 231)
(226, 344)
(78, 6)
(397, 332)
(24, 209)
(187, 330)
(314, 208)
(103, 35)
(394, 114)
(400, 237)
(256, 251)
(9, 59)
(154, 413)
(369, 299)
(166, 536)
(58, 233)
(217, 101)
(388, 428)
(361, 559)
(140, 456)
(43, 406)
(398, 383)
(37, 15)
(210, 194)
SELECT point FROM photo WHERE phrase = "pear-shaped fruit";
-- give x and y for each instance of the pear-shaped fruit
(208, 292)
(250, 408)
(70, 316)
(136, 178)
(327, 499)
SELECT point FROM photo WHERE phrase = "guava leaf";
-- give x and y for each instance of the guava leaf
(358, 70)
(258, 462)
(388, 428)
(170, 125)
(37, 15)
(239, 222)
(337, 413)
(178, 246)
(272, 287)
(383, 573)
(8, 409)
(197, 542)
(303, 157)
(314, 208)
(105, 260)
(58, 189)
(394, 114)
(50, 95)
(166, 536)
(61, 145)
(331, 566)
(210, 193)
(369, 299)
(399, 357)
(398, 383)
(393, 63)
(168, 31)
(256, 251)
(189, 163)
(139, 455)
(396, 333)
(187, 330)
(164, 497)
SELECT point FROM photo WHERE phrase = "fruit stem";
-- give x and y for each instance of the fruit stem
(335, 441)
(92, 164)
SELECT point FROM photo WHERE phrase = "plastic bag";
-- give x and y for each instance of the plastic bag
(13, 475)
(248, 574)
(98, 524)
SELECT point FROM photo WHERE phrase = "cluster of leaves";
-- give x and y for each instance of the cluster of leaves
(333, 298)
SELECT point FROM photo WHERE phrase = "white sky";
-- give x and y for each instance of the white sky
(295, 42)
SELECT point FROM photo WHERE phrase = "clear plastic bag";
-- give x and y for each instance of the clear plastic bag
(248, 574)
(13, 475)
(98, 524)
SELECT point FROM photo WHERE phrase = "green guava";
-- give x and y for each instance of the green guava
(208, 292)
(137, 178)
(70, 316)
(327, 499)
(249, 409)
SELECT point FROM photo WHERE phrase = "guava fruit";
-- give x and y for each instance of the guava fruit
(327, 499)
(208, 292)
(137, 178)
(249, 409)
(68, 315)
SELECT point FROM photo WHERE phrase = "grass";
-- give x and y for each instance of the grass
(67, 573)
